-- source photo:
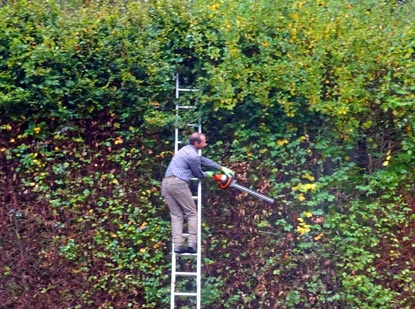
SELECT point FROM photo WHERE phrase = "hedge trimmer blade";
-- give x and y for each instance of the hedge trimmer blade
(253, 193)
(226, 182)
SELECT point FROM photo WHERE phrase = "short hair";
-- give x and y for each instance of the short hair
(195, 138)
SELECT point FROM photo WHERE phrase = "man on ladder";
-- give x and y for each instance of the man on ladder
(185, 165)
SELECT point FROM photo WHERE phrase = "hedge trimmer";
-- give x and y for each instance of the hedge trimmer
(228, 181)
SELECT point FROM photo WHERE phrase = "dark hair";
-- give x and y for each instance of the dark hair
(195, 138)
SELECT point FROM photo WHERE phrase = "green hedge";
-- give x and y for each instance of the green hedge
(311, 102)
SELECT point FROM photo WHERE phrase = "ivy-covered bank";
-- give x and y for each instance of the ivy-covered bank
(310, 102)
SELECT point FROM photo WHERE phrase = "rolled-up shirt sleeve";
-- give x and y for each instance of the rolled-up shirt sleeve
(197, 162)
(195, 166)
(209, 163)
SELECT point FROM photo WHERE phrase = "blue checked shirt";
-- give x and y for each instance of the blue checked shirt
(186, 164)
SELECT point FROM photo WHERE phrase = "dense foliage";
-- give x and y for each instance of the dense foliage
(311, 102)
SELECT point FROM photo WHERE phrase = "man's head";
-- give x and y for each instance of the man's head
(198, 140)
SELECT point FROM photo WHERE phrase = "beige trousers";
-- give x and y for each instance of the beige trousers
(178, 197)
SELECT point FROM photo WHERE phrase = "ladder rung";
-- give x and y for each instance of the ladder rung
(185, 294)
(192, 125)
(195, 197)
(185, 106)
(186, 254)
(187, 89)
(182, 273)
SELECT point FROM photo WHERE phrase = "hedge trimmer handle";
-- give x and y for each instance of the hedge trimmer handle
(224, 181)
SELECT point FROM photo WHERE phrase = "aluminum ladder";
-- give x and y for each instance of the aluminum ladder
(181, 279)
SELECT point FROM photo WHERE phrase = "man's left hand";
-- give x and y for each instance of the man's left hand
(228, 172)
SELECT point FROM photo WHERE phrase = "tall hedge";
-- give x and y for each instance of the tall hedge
(310, 102)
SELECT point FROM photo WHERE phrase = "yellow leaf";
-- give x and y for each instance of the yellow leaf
(282, 142)
(308, 214)
(309, 186)
(308, 177)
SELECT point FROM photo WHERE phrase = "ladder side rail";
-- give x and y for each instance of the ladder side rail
(173, 254)
(199, 236)
(173, 277)
(176, 130)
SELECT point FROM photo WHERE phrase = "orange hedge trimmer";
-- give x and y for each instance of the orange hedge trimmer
(227, 181)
